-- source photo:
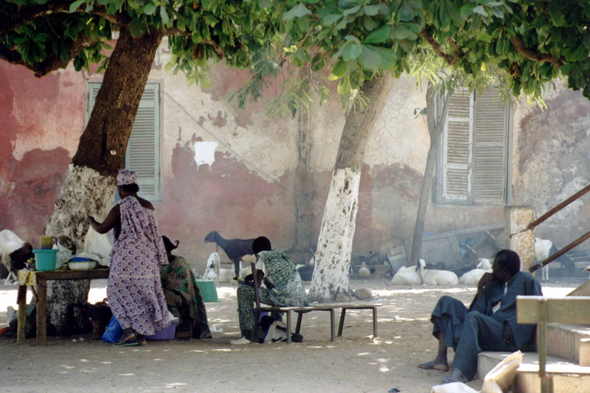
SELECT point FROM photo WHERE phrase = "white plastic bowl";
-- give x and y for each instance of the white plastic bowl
(86, 265)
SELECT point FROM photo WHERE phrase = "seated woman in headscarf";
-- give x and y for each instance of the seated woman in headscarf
(183, 296)
(134, 289)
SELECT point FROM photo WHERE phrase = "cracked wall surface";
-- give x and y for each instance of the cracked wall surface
(250, 188)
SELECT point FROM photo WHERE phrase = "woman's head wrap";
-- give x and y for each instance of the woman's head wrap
(126, 177)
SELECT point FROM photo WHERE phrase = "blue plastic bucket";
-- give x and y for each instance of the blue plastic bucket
(45, 260)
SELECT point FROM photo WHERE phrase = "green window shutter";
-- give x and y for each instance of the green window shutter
(490, 148)
(143, 149)
(457, 140)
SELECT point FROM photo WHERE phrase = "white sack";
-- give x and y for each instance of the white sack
(455, 387)
(503, 375)
(99, 245)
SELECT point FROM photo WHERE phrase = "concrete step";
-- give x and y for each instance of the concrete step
(568, 377)
(569, 342)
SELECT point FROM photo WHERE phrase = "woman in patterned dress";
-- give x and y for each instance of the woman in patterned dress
(183, 296)
(134, 289)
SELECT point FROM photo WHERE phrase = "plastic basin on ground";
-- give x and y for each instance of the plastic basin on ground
(208, 290)
(45, 260)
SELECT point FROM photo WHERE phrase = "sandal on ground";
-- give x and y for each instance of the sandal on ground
(432, 366)
(141, 340)
(132, 343)
(130, 337)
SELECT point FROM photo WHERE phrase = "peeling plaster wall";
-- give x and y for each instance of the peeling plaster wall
(552, 162)
(41, 121)
(239, 194)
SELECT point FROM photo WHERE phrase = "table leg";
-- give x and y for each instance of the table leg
(299, 318)
(289, 327)
(332, 327)
(42, 312)
(22, 313)
(341, 327)
(375, 322)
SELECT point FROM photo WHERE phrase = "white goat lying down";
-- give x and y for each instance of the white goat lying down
(542, 249)
(437, 277)
(472, 277)
(14, 253)
(407, 275)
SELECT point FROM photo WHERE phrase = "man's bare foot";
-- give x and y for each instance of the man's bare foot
(455, 376)
(433, 365)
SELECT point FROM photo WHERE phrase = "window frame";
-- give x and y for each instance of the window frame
(437, 192)
(87, 100)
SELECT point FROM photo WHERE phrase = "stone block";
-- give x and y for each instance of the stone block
(518, 237)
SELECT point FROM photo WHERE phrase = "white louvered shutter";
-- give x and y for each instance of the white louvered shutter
(490, 148)
(143, 149)
(457, 139)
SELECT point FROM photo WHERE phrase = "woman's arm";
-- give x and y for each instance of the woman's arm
(113, 218)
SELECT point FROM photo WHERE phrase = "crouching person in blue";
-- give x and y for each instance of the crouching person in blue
(489, 324)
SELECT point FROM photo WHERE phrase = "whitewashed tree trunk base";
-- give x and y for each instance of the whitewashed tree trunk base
(84, 192)
(333, 254)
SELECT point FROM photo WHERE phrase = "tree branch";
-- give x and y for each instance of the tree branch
(437, 48)
(24, 15)
(532, 55)
(458, 51)
(219, 51)
(50, 64)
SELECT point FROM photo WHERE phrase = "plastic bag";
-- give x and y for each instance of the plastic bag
(455, 387)
(99, 245)
(503, 376)
(113, 332)
(63, 255)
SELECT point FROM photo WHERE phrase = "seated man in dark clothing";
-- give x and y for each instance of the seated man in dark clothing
(490, 322)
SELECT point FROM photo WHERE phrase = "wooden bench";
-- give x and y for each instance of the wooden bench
(328, 307)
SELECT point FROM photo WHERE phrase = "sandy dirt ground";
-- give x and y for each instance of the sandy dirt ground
(354, 363)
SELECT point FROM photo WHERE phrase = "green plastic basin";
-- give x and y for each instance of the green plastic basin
(208, 290)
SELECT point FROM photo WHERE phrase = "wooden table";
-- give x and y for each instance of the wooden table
(42, 278)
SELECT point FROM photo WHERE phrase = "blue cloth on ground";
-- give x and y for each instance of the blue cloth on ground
(113, 332)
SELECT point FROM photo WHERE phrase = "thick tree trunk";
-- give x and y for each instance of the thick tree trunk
(303, 246)
(334, 249)
(89, 185)
(436, 125)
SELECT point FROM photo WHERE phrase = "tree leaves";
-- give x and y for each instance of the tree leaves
(137, 28)
(379, 36)
(76, 4)
(296, 12)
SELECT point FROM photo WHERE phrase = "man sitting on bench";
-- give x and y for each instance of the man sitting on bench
(490, 322)
(283, 287)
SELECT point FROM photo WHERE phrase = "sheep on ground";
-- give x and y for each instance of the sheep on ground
(306, 270)
(212, 266)
(14, 253)
(542, 250)
(437, 277)
(407, 276)
(225, 275)
(472, 277)
(364, 271)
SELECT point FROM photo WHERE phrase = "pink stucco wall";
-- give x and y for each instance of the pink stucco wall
(42, 119)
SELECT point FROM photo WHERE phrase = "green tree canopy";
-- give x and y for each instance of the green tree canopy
(532, 41)
(46, 35)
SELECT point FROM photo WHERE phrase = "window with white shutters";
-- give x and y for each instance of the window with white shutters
(490, 148)
(143, 149)
(474, 159)
(457, 137)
